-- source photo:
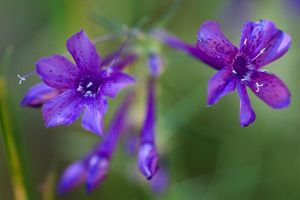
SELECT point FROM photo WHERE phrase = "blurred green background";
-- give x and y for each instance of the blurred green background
(207, 154)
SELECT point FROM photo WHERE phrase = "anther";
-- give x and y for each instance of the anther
(258, 86)
(23, 78)
(89, 85)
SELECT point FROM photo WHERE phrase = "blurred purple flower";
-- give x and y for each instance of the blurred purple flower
(147, 156)
(93, 168)
(261, 43)
(85, 85)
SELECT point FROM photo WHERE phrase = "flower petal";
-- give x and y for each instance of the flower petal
(263, 43)
(220, 85)
(38, 95)
(92, 119)
(73, 176)
(176, 43)
(63, 109)
(247, 115)
(270, 89)
(84, 52)
(218, 50)
(115, 83)
(57, 71)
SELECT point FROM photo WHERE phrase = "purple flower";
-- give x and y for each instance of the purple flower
(261, 43)
(93, 168)
(85, 85)
(147, 156)
(40, 93)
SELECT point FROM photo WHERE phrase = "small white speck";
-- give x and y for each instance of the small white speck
(258, 86)
(89, 85)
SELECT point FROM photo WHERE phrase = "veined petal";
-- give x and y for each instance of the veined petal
(115, 82)
(84, 52)
(38, 94)
(92, 119)
(63, 109)
(211, 41)
(263, 43)
(247, 115)
(73, 176)
(220, 85)
(270, 89)
(57, 71)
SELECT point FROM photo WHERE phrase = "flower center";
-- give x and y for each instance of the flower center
(89, 86)
(240, 67)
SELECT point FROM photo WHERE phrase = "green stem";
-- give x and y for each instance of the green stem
(12, 143)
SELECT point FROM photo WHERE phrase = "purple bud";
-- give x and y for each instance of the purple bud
(155, 64)
(73, 176)
(97, 171)
(94, 166)
(148, 157)
(148, 160)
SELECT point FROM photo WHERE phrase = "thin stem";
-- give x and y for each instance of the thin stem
(12, 143)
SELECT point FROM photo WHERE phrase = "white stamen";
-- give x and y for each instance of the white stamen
(245, 41)
(80, 88)
(263, 70)
(88, 94)
(234, 72)
(258, 86)
(246, 77)
(89, 85)
(22, 78)
(260, 53)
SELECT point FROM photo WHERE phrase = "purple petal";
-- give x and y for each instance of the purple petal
(124, 62)
(270, 89)
(220, 85)
(247, 115)
(115, 83)
(97, 172)
(148, 160)
(92, 119)
(176, 43)
(263, 43)
(219, 51)
(73, 176)
(38, 95)
(57, 71)
(84, 52)
(155, 64)
(62, 109)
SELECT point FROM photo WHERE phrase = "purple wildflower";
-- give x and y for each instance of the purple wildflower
(93, 168)
(40, 93)
(147, 156)
(85, 85)
(261, 43)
